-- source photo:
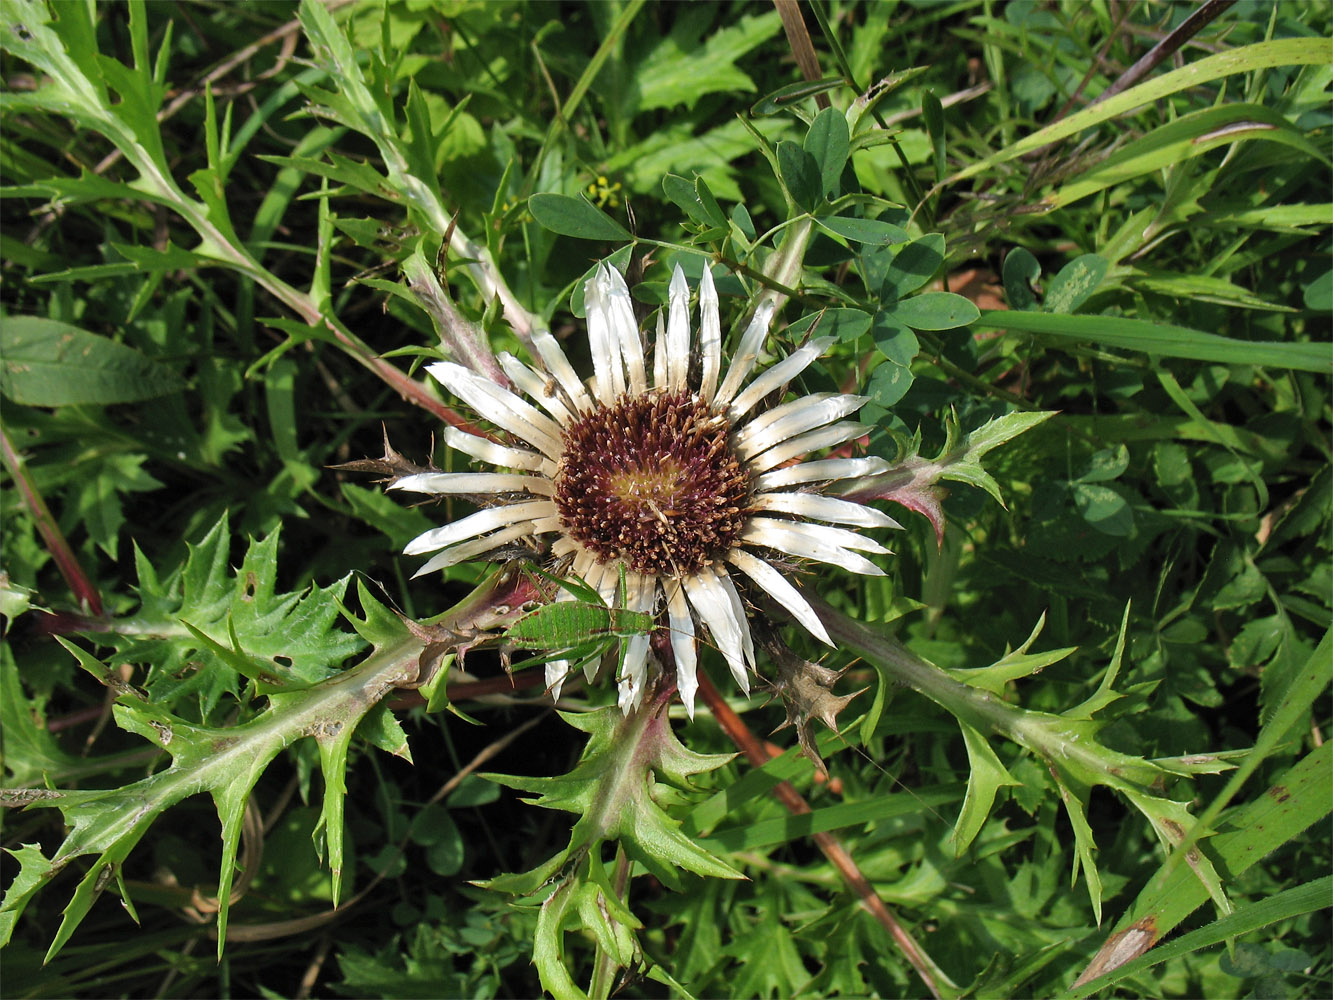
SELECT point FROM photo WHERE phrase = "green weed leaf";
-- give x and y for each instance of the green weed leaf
(575, 217)
(800, 175)
(1162, 340)
(1021, 270)
(870, 231)
(913, 266)
(1074, 284)
(828, 142)
(935, 311)
(681, 69)
(49, 363)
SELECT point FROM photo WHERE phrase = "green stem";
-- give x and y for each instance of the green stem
(1064, 743)
(784, 267)
(605, 965)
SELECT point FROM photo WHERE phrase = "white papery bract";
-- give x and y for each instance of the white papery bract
(668, 468)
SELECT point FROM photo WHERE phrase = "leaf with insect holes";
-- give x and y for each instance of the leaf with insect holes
(226, 762)
(205, 628)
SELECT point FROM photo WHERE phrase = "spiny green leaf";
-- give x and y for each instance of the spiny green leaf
(986, 776)
(32, 755)
(226, 762)
(612, 790)
(286, 639)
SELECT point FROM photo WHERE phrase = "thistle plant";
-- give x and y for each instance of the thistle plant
(471, 396)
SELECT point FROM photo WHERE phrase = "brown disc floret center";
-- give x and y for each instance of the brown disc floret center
(651, 480)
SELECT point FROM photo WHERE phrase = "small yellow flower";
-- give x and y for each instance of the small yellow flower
(603, 193)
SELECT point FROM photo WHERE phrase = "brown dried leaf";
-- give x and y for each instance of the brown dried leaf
(391, 467)
(806, 689)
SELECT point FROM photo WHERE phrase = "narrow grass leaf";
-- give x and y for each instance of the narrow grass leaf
(1286, 905)
(767, 833)
(1189, 136)
(1162, 339)
(1262, 55)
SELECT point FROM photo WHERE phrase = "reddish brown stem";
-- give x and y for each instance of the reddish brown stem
(85, 591)
(802, 48)
(1206, 12)
(832, 848)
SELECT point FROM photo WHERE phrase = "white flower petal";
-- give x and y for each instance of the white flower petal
(501, 407)
(604, 337)
(781, 590)
(793, 418)
(584, 561)
(474, 482)
(554, 361)
(710, 336)
(556, 672)
(479, 523)
(537, 388)
(635, 667)
(628, 695)
(824, 508)
(715, 610)
(681, 623)
(634, 651)
(625, 329)
(820, 470)
(541, 525)
(777, 376)
(742, 620)
(494, 453)
(677, 342)
(464, 551)
(747, 352)
(841, 537)
(813, 541)
(595, 577)
(660, 354)
(825, 437)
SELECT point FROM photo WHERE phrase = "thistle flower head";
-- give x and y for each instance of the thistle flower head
(677, 474)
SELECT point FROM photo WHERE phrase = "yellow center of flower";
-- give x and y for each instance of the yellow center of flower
(651, 480)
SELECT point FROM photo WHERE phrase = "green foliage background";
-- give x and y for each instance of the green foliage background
(221, 230)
